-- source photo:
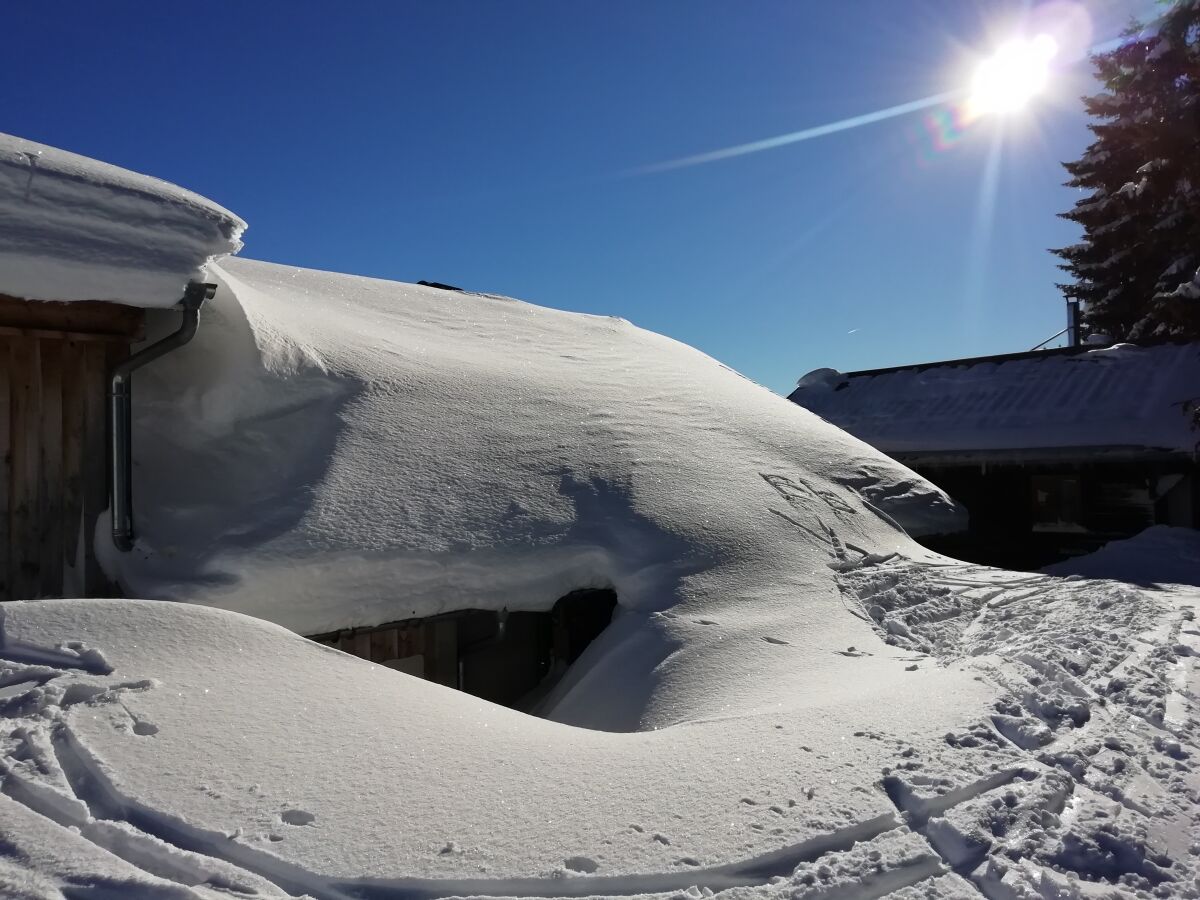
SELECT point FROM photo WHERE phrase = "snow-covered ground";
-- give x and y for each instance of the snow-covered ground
(988, 734)
(1157, 557)
(794, 699)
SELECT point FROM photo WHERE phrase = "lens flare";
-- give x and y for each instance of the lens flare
(1016, 73)
(941, 131)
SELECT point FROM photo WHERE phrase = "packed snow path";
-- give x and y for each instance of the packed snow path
(1072, 765)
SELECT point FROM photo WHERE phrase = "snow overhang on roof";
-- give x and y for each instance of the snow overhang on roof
(1123, 401)
(73, 228)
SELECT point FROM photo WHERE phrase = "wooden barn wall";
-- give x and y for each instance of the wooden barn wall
(431, 644)
(53, 439)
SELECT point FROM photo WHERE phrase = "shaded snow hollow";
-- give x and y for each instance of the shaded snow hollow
(72, 228)
(1158, 556)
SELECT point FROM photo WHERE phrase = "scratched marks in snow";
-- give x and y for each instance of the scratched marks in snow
(812, 508)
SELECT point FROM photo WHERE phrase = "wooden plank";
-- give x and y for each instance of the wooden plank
(94, 479)
(89, 317)
(362, 644)
(74, 430)
(50, 471)
(410, 640)
(5, 470)
(50, 335)
(25, 370)
(441, 652)
(384, 644)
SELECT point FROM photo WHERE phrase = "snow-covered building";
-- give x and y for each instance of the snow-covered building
(793, 701)
(85, 248)
(1052, 452)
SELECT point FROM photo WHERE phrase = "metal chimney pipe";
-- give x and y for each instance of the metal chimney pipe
(1073, 324)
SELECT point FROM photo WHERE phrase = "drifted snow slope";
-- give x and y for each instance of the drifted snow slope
(72, 228)
(334, 451)
(1160, 555)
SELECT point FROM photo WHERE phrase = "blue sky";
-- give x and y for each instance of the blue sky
(489, 145)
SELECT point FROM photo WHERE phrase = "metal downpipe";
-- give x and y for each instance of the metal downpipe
(120, 419)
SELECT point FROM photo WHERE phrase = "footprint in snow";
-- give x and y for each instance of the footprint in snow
(584, 864)
(775, 640)
(297, 817)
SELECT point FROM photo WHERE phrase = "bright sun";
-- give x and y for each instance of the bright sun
(1016, 73)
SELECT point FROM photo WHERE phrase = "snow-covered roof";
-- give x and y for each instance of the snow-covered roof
(1123, 399)
(334, 451)
(73, 228)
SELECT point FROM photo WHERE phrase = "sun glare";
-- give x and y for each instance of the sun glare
(1016, 73)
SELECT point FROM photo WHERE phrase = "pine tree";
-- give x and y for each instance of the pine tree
(1136, 269)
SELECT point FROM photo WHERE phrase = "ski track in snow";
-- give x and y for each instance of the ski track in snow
(167, 848)
(1097, 692)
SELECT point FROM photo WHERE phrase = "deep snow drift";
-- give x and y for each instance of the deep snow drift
(334, 451)
(794, 699)
(72, 228)
(1160, 555)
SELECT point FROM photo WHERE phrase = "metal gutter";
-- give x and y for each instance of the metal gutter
(120, 421)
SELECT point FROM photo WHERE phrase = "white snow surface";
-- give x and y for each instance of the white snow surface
(73, 228)
(987, 734)
(1122, 396)
(334, 451)
(1158, 556)
(794, 701)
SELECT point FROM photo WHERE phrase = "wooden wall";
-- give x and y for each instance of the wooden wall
(469, 650)
(54, 364)
(427, 648)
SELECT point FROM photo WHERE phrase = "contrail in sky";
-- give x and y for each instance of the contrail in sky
(795, 137)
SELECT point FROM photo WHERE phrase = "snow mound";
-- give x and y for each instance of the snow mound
(334, 451)
(72, 228)
(986, 747)
(1159, 555)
